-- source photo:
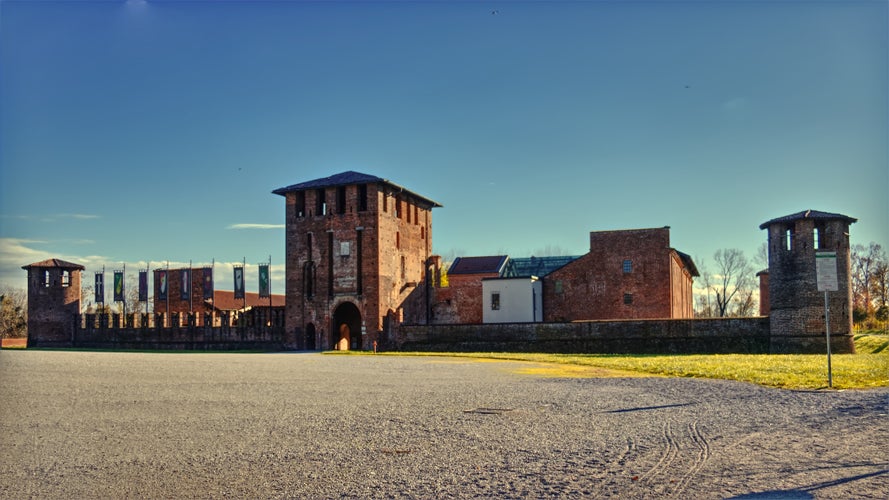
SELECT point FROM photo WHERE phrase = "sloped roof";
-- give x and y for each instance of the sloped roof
(479, 265)
(808, 214)
(348, 178)
(688, 263)
(55, 263)
(224, 300)
(523, 267)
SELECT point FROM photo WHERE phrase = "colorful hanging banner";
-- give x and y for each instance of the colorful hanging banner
(118, 286)
(208, 282)
(239, 282)
(100, 288)
(160, 279)
(264, 280)
(143, 286)
(185, 284)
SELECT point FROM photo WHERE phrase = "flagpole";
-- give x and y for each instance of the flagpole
(190, 286)
(270, 290)
(168, 318)
(123, 291)
(244, 282)
(147, 270)
(213, 298)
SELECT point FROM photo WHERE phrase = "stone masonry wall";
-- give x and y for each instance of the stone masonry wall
(684, 336)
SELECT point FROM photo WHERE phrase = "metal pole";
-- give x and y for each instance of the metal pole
(827, 330)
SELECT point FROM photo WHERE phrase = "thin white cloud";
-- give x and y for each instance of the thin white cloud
(256, 226)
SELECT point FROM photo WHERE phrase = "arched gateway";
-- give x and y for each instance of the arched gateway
(346, 327)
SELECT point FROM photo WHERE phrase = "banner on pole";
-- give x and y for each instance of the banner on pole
(208, 282)
(239, 282)
(185, 284)
(100, 287)
(118, 286)
(143, 286)
(264, 289)
(161, 280)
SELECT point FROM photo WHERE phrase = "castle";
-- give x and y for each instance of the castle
(360, 271)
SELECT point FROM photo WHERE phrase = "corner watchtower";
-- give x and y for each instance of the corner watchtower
(796, 317)
(53, 302)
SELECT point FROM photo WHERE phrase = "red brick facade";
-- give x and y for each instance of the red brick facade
(629, 274)
(357, 251)
(54, 297)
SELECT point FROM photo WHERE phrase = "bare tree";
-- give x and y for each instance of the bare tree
(733, 280)
(865, 261)
(704, 284)
(13, 312)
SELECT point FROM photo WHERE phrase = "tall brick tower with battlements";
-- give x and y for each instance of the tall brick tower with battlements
(53, 302)
(358, 251)
(796, 313)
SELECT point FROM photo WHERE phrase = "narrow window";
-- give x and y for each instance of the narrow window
(46, 278)
(309, 279)
(407, 204)
(309, 247)
(403, 268)
(359, 282)
(320, 202)
(398, 241)
(385, 202)
(300, 205)
(628, 266)
(398, 208)
(422, 233)
(330, 264)
(788, 238)
(817, 239)
(495, 301)
(341, 199)
(66, 278)
(416, 214)
(362, 198)
(628, 298)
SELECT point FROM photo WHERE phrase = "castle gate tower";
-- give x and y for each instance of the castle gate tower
(796, 314)
(53, 302)
(358, 249)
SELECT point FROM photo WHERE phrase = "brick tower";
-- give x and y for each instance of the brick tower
(53, 302)
(796, 313)
(358, 253)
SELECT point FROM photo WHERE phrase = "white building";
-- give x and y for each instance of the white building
(512, 300)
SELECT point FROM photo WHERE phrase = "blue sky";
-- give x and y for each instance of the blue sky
(156, 130)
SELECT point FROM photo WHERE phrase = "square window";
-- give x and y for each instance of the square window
(628, 298)
(628, 266)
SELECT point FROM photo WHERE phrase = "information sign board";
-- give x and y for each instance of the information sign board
(826, 271)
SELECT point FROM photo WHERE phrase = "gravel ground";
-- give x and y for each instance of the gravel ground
(123, 425)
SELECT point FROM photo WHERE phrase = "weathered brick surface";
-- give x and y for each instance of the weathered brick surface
(597, 285)
(796, 306)
(370, 253)
(724, 335)
(52, 305)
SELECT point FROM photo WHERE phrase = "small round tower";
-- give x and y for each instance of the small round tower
(796, 313)
(53, 302)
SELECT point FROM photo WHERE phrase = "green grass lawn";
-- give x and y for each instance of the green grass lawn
(867, 369)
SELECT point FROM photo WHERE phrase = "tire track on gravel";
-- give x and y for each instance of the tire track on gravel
(700, 458)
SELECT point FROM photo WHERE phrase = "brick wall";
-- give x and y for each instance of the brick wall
(599, 285)
(371, 252)
(54, 298)
(719, 335)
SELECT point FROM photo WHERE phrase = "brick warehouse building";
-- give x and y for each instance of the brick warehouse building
(358, 251)
(627, 274)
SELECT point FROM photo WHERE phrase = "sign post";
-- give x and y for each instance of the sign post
(826, 272)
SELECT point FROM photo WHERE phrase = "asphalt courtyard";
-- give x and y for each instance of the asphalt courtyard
(147, 425)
